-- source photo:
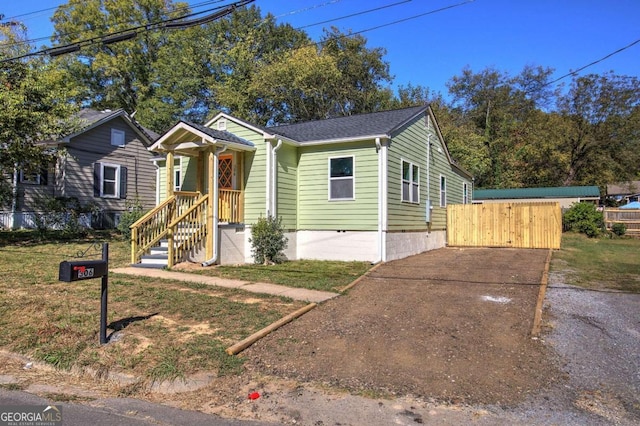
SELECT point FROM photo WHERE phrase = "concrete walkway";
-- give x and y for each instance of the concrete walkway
(315, 296)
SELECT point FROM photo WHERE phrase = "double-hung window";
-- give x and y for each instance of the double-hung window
(410, 182)
(465, 193)
(341, 178)
(443, 191)
(109, 180)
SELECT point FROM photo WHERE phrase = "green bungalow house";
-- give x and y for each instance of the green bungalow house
(371, 187)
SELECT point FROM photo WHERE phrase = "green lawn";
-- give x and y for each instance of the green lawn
(603, 264)
(167, 329)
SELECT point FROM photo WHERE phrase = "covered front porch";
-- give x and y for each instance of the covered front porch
(200, 186)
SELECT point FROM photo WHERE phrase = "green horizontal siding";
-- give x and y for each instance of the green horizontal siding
(254, 170)
(316, 211)
(287, 182)
(410, 144)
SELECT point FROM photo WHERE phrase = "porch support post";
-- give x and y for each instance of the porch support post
(200, 174)
(170, 174)
(211, 173)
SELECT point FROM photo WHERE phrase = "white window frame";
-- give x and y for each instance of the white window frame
(443, 192)
(116, 181)
(118, 138)
(465, 193)
(352, 177)
(222, 124)
(177, 174)
(413, 183)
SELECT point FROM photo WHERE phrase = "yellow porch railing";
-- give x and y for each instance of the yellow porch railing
(230, 206)
(151, 228)
(187, 230)
(182, 221)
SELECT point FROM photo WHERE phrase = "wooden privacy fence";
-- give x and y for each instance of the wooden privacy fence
(630, 217)
(518, 225)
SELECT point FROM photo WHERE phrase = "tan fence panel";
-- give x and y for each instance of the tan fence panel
(521, 225)
(630, 217)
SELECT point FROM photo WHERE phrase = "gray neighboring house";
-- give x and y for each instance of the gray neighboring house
(106, 164)
(625, 192)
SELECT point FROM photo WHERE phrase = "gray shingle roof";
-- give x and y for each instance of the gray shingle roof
(219, 134)
(88, 117)
(354, 126)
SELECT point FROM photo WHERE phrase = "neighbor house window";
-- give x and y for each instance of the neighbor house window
(109, 180)
(34, 177)
(341, 178)
(222, 124)
(410, 182)
(117, 137)
(465, 193)
(443, 191)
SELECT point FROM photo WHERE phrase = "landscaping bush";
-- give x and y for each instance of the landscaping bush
(584, 218)
(61, 214)
(129, 217)
(619, 229)
(268, 240)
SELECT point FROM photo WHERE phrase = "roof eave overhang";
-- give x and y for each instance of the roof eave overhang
(285, 139)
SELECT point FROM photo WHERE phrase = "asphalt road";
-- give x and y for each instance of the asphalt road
(121, 412)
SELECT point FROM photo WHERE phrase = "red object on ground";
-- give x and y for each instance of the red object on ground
(254, 395)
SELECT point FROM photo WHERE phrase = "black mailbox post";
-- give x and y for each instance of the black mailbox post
(89, 269)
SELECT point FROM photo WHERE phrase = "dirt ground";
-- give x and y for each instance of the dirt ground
(439, 338)
(453, 325)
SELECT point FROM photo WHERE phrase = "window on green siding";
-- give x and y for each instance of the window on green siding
(177, 174)
(341, 178)
(465, 193)
(443, 191)
(410, 182)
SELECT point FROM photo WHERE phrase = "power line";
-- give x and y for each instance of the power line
(355, 14)
(176, 10)
(129, 33)
(569, 74)
(442, 9)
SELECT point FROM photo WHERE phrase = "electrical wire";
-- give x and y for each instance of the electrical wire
(354, 14)
(597, 61)
(188, 8)
(113, 37)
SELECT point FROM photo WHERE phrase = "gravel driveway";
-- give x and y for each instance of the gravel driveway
(446, 333)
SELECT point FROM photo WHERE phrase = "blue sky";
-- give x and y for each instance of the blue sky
(428, 50)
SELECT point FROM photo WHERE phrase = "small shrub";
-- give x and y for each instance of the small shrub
(129, 217)
(61, 213)
(584, 218)
(268, 240)
(619, 229)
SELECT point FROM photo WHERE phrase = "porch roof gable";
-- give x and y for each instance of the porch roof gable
(177, 138)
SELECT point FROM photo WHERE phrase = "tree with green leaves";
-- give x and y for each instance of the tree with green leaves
(35, 105)
(499, 106)
(603, 114)
(241, 45)
(127, 73)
